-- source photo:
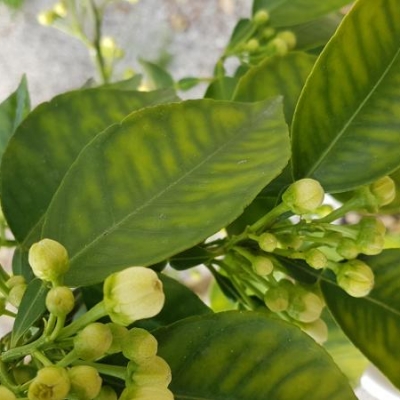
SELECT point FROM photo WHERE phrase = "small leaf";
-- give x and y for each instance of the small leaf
(188, 83)
(347, 116)
(30, 310)
(246, 355)
(221, 88)
(12, 111)
(372, 323)
(293, 12)
(212, 157)
(132, 83)
(157, 76)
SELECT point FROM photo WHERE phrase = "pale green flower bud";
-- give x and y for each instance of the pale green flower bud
(106, 393)
(85, 382)
(318, 330)
(384, 190)
(6, 394)
(277, 298)
(16, 294)
(118, 335)
(268, 33)
(356, 278)
(289, 37)
(93, 341)
(267, 242)
(132, 294)
(50, 383)
(139, 345)
(280, 46)
(261, 17)
(371, 237)
(47, 18)
(60, 9)
(316, 259)
(49, 260)
(146, 393)
(262, 265)
(348, 248)
(252, 45)
(154, 371)
(304, 196)
(15, 280)
(60, 301)
(305, 306)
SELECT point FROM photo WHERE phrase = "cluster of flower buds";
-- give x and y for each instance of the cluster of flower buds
(65, 359)
(57, 12)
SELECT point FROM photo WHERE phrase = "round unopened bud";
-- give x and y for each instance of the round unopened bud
(118, 334)
(280, 46)
(132, 294)
(316, 259)
(267, 242)
(289, 37)
(268, 33)
(384, 190)
(146, 393)
(93, 341)
(154, 371)
(60, 301)
(252, 45)
(371, 237)
(318, 330)
(6, 394)
(85, 382)
(60, 9)
(261, 17)
(48, 259)
(139, 345)
(262, 265)
(107, 393)
(277, 298)
(347, 248)
(16, 294)
(304, 196)
(356, 278)
(50, 383)
(305, 306)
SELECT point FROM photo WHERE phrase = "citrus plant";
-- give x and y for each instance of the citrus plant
(107, 189)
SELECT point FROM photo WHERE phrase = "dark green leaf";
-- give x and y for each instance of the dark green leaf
(187, 83)
(373, 323)
(347, 116)
(158, 77)
(189, 258)
(30, 310)
(222, 88)
(46, 144)
(246, 355)
(212, 157)
(293, 12)
(12, 111)
(241, 33)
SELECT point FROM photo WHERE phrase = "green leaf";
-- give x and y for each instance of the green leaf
(293, 12)
(168, 177)
(221, 88)
(279, 76)
(46, 144)
(189, 258)
(158, 77)
(372, 323)
(12, 111)
(347, 117)
(246, 355)
(132, 83)
(30, 310)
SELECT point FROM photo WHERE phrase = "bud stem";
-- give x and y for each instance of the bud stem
(106, 369)
(269, 219)
(5, 378)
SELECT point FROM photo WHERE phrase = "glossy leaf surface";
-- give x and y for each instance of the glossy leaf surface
(373, 323)
(351, 101)
(163, 180)
(48, 142)
(246, 355)
(292, 12)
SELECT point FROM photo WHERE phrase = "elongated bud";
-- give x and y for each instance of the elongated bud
(371, 237)
(15, 280)
(262, 265)
(107, 393)
(132, 294)
(154, 371)
(93, 341)
(16, 293)
(139, 345)
(267, 242)
(49, 260)
(85, 382)
(348, 248)
(50, 383)
(304, 196)
(356, 278)
(316, 259)
(119, 333)
(318, 330)
(384, 190)
(305, 306)
(6, 394)
(60, 301)
(134, 392)
(261, 17)
(289, 38)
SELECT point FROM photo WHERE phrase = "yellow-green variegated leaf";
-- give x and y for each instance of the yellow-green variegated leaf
(372, 323)
(46, 144)
(276, 76)
(164, 179)
(247, 356)
(348, 115)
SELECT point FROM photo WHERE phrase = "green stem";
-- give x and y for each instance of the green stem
(106, 369)
(68, 359)
(268, 219)
(22, 351)
(92, 315)
(58, 328)
(9, 313)
(5, 378)
(42, 358)
(50, 325)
